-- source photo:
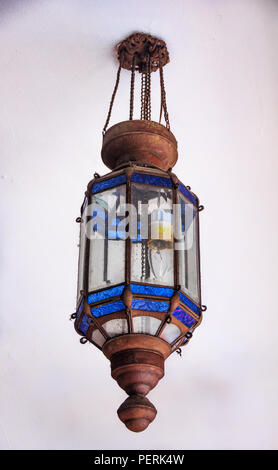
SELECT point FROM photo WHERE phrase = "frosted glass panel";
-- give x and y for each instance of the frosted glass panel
(116, 327)
(152, 250)
(98, 338)
(170, 332)
(188, 248)
(145, 324)
(107, 244)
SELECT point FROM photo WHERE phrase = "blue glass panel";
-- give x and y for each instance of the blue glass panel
(189, 303)
(151, 290)
(186, 319)
(105, 294)
(150, 305)
(83, 327)
(80, 308)
(188, 194)
(151, 179)
(110, 183)
(108, 308)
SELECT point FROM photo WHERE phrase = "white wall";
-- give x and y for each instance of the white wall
(57, 74)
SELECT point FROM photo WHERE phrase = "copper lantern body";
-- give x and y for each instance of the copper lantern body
(139, 297)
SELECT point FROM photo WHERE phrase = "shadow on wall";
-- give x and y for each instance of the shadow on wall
(8, 7)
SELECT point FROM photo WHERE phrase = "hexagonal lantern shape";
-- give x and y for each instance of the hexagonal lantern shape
(138, 297)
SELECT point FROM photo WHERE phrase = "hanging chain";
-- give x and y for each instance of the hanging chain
(143, 260)
(132, 82)
(148, 104)
(163, 95)
(146, 91)
(112, 99)
(143, 94)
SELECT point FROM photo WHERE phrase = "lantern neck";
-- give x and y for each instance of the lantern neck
(142, 142)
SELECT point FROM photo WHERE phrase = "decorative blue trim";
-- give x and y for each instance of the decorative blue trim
(110, 183)
(105, 294)
(190, 304)
(84, 326)
(151, 179)
(108, 308)
(184, 317)
(150, 305)
(151, 290)
(80, 309)
(188, 194)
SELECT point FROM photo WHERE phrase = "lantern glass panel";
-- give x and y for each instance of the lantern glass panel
(170, 333)
(188, 248)
(107, 244)
(152, 248)
(146, 324)
(98, 338)
(82, 240)
(115, 327)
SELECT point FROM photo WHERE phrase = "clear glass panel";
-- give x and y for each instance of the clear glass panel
(152, 249)
(170, 332)
(82, 242)
(107, 245)
(188, 248)
(98, 338)
(116, 327)
(145, 324)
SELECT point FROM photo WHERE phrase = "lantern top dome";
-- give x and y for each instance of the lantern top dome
(139, 141)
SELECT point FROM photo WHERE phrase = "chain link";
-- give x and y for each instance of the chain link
(148, 107)
(146, 91)
(132, 82)
(163, 95)
(112, 100)
(143, 90)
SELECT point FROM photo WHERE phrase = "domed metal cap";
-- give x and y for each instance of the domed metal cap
(140, 141)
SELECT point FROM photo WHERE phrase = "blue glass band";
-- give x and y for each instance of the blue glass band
(184, 317)
(188, 194)
(109, 183)
(105, 294)
(190, 304)
(84, 326)
(151, 290)
(80, 309)
(151, 179)
(150, 305)
(108, 308)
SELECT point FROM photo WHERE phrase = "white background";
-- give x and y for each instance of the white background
(57, 72)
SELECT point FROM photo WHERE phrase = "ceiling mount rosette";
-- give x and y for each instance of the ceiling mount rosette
(142, 47)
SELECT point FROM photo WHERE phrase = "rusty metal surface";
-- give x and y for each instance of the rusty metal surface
(137, 412)
(140, 47)
(136, 341)
(137, 371)
(147, 142)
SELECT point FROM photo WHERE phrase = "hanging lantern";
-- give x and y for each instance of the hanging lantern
(138, 297)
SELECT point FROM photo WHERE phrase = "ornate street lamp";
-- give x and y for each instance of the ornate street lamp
(139, 297)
